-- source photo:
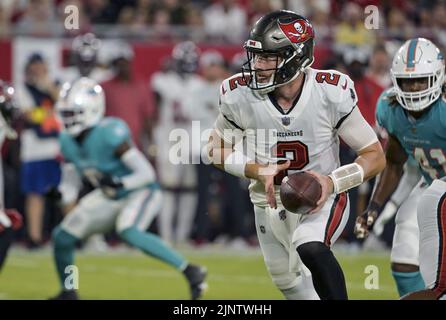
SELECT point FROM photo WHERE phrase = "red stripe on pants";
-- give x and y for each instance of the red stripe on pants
(440, 284)
(336, 217)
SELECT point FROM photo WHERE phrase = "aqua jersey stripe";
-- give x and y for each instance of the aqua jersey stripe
(411, 53)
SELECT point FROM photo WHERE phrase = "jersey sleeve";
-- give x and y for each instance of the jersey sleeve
(156, 82)
(116, 132)
(383, 114)
(159, 83)
(442, 112)
(229, 122)
(340, 94)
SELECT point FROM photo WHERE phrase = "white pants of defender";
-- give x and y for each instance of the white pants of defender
(405, 246)
(432, 223)
(281, 232)
(96, 213)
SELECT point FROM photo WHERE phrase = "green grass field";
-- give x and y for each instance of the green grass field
(131, 275)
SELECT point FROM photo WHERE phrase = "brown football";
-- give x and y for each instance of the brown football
(299, 192)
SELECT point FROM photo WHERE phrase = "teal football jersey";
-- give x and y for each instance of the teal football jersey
(96, 154)
(423, 139)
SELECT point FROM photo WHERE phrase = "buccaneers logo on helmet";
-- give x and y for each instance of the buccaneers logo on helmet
(297, 31)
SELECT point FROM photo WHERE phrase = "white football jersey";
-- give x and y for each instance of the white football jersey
(201, 106)
(173, 90)
(306, 134)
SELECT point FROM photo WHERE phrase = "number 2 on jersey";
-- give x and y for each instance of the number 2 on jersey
(330, 78)
(295, 151)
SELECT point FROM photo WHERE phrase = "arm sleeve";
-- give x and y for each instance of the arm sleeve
(142, 172)
(408, 181)
(117, 133)
(229, 124)
(382, 114)
(342, 98)
(356, 132)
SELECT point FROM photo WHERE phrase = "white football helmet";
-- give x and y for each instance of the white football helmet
(81, 105)
(418, 58)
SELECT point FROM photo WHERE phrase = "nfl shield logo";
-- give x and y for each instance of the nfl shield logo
(286, 121)
(282, 215)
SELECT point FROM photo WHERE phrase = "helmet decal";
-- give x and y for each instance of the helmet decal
(297, 31)
(411, 55)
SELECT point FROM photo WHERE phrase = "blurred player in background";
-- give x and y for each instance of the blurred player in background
(306, 110)
(171, 89)
(84, 54)
(10, 220)
(201, 104)
(125, 88)
(127, 197)
(412, 112)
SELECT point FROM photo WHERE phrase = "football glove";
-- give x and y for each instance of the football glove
(365, 221)
(110, 185)
(15, 220)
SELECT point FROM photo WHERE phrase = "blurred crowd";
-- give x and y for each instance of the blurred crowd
(203, 204)
(222, 20)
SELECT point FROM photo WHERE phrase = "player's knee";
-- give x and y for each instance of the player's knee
(128, 234)
(312, 253)
(280, 275)
(63, 239)
(403, 267)
(284, 281)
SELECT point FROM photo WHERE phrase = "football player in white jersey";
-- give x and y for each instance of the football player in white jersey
(178, 181)
(84, 52)
(286, 110)
(10, 220)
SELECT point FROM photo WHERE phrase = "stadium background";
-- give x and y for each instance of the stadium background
(152, 28)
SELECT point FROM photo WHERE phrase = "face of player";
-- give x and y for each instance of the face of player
(414, 85)
(265, 66)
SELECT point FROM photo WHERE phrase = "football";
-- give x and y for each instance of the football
(299, 192)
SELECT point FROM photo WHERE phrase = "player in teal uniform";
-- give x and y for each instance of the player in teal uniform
(413, 112)
(126, 197)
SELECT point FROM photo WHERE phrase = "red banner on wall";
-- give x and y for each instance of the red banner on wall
(5, 60)
(148, 57)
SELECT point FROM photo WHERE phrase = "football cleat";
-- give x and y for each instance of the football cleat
(195, 275)
(66, 295)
